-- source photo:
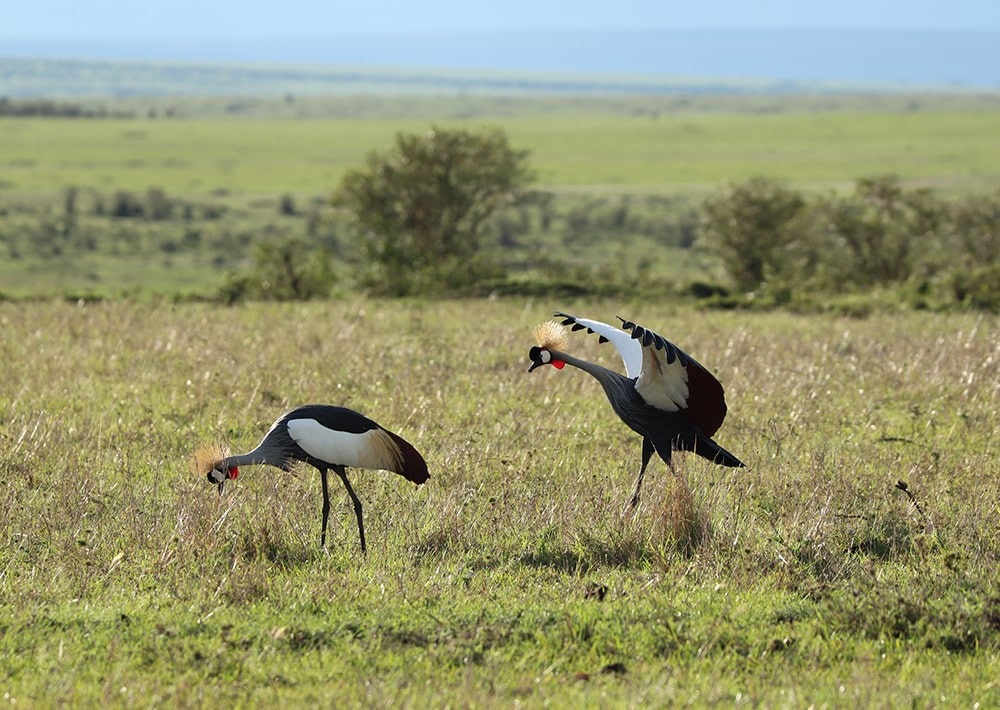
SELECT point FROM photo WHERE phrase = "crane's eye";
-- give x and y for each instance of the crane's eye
(540, 355)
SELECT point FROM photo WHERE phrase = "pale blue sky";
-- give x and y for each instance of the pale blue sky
(228, 19)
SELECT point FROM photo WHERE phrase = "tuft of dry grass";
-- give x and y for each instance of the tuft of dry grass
(680, 517)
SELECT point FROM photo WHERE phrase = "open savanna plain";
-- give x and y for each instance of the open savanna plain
(626, 144)
(809, 578)
(225, 182)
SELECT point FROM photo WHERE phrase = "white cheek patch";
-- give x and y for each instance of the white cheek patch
(545, 357)
(369, 449)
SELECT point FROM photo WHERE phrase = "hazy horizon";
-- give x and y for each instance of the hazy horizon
(963, 59)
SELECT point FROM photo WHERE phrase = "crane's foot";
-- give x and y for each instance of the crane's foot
(629, 510)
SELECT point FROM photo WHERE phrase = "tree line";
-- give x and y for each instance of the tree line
(48, 108)
(781, 243)
(440, 212)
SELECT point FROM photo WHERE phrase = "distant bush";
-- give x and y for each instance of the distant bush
(421, 209)
(124, 204)
(284, 270)
(592, 220)
(55, 109)
(750, 228)
(772, 239)
(158, 205)
(881, 233)
(976, 225)
(286, 205)
(978, 287)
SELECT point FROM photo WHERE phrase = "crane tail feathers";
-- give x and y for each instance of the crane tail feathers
(707, 448)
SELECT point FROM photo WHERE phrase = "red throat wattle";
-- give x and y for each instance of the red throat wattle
(233, 473)
(558, 364)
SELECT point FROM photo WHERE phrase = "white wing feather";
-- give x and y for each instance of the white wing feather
(629, 349)
(661, 384)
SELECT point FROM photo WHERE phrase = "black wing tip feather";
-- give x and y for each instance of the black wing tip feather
(648, 337)
(575, 325)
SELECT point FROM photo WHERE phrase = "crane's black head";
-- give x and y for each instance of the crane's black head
(219, 474)
(543, 356)
(209, 460)
(550, 336)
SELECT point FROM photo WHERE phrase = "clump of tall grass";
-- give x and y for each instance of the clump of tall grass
(679, 518)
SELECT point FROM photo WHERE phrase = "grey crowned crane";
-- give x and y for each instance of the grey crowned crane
(328, 438)
(666, 396)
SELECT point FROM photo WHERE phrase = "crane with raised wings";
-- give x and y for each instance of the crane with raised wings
(666, 396)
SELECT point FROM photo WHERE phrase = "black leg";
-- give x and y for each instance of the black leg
(326, 506)
(342, 472)
(647, 453)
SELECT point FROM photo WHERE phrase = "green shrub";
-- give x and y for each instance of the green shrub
(880, 234)
(420, 209)
(159, 206)
(285, 269)
(978, 287)
(750, 227)
(976, 224)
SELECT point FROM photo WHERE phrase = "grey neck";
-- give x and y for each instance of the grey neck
(615, 384)
(260, 455)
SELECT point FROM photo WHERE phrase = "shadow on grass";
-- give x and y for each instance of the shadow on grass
(588, 551)
(255, 545)
(439, 542)
(559, 560)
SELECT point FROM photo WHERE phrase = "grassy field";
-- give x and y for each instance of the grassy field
(807, 579)
(597, 151)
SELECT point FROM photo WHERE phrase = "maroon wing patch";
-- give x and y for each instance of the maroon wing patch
(706, 401)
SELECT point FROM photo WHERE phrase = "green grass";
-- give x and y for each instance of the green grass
(600, 151)
(510, 577)
(136, 275)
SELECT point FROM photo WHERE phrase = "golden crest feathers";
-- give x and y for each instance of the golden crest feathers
(206, 457)
(551, 335)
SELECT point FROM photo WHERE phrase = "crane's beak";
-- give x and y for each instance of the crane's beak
(542, 356)
(558, 364)
(219, 478)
